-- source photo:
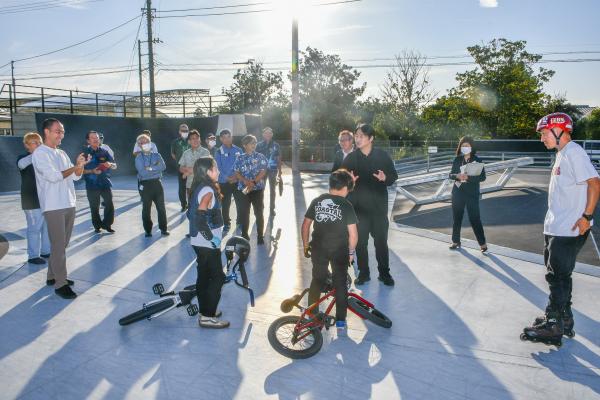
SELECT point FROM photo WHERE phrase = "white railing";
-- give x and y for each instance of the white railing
(508, 169)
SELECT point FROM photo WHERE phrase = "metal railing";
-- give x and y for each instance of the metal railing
(442, 192)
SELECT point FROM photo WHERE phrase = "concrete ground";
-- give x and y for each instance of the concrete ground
(457, 318)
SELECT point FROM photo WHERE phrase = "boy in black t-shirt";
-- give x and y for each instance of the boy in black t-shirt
(333, 241)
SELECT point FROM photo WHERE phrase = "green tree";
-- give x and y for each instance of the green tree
(252, 90)
(589, 127)
(328, 91)
(503, 95)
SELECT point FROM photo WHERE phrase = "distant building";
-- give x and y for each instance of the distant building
(584, 110)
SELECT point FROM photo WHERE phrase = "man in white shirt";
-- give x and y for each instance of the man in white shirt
(54, 175)
(572, 196)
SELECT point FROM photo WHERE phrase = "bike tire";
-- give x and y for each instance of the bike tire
(146, 312)
(289, 322)
(370, 313)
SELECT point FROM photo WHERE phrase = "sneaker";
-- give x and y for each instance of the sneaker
(454, 246)
(51, 282)
(45, 255)
(165, 233)
(387, 280)
(484, 248)
(65, 292)
(36, 260)
(362, 279)
(212, 322)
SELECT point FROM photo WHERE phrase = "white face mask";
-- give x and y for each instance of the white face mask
(211, 143)
(146, 147)
(184, 134)
(465, 150)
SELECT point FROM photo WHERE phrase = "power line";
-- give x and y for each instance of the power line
(76, 75)
(78, 43)
(135, 42)
(217, 7)
(28, 8)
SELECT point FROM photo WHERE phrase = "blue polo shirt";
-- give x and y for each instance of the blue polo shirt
(100, 181)
(249, 166)
(225, 158)
(149, 166)
(271, 151)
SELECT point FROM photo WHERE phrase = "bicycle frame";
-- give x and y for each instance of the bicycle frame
(316, 321)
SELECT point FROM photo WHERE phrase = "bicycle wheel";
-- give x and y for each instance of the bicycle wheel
(370, 313)
(146, 312)
(281, 334)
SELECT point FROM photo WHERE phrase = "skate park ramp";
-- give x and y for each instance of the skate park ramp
(456, 318)
(512, 217)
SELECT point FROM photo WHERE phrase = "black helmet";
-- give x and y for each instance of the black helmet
(239, 246)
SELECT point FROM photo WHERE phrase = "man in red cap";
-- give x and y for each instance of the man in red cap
(572, 196)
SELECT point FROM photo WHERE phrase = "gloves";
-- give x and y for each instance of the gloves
(216, 242)
(307, 251)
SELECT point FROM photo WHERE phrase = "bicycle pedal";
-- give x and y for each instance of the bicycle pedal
(158, 289)
(192, 310)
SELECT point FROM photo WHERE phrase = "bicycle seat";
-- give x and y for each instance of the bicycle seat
(288, 304)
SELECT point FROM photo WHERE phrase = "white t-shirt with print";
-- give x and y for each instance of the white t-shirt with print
(199, 240)
(567, 194)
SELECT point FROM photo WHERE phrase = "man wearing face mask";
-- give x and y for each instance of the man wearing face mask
(178, 147)
(373, 171)
(572, 197)
(211, 144)
(465, 193)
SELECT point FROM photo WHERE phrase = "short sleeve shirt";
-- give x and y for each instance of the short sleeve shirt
(188, 159)
(249, 166)
(331, 215)
(272, 151)
(567, 194)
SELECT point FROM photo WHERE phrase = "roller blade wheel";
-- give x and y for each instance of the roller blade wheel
(547, 341)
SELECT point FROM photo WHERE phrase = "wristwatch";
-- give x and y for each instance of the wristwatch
(589, 217)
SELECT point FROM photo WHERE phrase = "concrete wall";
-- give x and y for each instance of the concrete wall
(119, 134)
(23, 123)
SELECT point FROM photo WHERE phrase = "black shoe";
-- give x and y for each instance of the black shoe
(45, 255)
(387, 280)
(183, 208)
(272, 212)
(362, 279)
(148, 234)
(65, 292)
(454, 246)
(165, 233)
(37, 261)
(109, 229)
(484, 248)
(51, 282)
(260, 240)
(97, 230)
(187, 235)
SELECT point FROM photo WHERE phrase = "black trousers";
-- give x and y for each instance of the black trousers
(272, 178)
(461, 200)
(256, 199)
(339, 266)
(229, 190)
(182, 192)
(152, 192)
(210, 279)
(376, 225)
(560, 255)
(94, 196)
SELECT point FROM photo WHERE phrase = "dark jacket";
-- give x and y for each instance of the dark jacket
(370, 195)
(471, 186)
(337, 160)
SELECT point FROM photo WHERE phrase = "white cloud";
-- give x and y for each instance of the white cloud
(488, 3)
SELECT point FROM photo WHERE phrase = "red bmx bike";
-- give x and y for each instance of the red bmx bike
(299, 336)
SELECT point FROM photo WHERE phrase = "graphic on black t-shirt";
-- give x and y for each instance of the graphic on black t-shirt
(326, 210)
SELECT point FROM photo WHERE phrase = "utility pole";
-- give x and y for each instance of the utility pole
(295, 98)
(150, 58)
(14, 89)
(140, 77)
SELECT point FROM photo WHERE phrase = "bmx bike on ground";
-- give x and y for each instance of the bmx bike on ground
(235, 246)
(300, 336)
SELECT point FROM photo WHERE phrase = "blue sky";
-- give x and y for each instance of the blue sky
(362, 30)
